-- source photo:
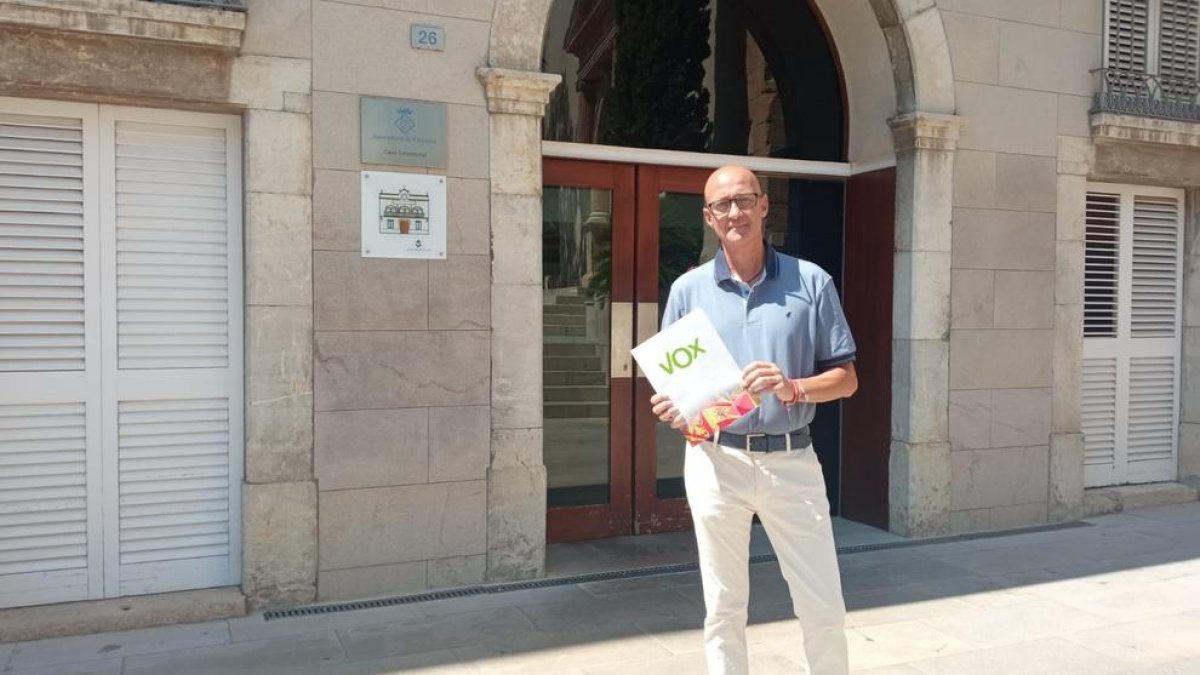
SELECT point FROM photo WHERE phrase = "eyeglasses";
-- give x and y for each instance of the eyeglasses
(721, 207)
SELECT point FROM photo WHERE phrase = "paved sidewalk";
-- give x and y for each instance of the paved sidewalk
(1121, 595)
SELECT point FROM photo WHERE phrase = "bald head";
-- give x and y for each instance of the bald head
(730, 177)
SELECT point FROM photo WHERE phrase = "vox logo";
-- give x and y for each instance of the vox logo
(681, 358)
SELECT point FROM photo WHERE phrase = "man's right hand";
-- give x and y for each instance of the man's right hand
(664, 409)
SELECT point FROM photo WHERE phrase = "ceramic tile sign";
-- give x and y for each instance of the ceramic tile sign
(403, 215)
(403, 133)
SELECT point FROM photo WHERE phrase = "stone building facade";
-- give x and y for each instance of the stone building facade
(393, 420)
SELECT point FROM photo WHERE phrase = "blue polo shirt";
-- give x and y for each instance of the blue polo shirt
(791, 317)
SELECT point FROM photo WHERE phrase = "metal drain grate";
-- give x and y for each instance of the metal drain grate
(655, 570)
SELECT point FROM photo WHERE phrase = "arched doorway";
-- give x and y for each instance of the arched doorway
(915, 43)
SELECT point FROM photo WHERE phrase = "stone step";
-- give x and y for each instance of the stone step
(576, 363)
(564, 320)
(575, 394)
(562, 411)
(564, 331)
(570, 299)
(571, 349)
(564, 309)
(563, 378)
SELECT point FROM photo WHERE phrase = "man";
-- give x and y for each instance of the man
(781, 317)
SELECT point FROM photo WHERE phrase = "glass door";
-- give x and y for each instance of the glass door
(587, 326)
(614, 238)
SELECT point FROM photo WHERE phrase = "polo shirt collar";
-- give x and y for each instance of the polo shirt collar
(722, 273)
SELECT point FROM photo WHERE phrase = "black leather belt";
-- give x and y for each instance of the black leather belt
(800, 439)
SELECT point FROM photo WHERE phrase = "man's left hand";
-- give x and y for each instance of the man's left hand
(763, 377)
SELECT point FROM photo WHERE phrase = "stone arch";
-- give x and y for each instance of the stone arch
(913, 29)
(924, 133)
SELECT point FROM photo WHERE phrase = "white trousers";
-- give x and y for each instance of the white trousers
(725, 488)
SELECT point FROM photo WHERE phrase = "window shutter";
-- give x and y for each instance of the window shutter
(1101, 264)
(175, 490)
(41, 244)
(1098, 407)
(1131, 344)
(1128, 28)
(1153, 302)
(1179, 43)
(172, 247)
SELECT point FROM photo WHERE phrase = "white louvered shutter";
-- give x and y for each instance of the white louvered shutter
(50, 517)
(172, 374)
(1179, 44)
(1132, 285)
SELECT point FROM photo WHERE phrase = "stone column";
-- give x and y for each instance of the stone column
(1189, 428)
(516, 477)
(1065, 501)
(919, 494)
(279, 497)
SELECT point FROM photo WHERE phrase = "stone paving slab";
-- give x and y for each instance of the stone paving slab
(1120, 596)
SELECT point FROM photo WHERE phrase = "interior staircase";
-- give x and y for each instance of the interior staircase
(575, 368)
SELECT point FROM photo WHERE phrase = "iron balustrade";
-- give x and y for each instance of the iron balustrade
(1134, 93)
(232, 5)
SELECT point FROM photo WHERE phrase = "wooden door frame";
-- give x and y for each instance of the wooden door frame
(572, 523)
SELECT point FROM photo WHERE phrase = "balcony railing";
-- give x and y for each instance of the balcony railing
(1133, 93)
(233, 5)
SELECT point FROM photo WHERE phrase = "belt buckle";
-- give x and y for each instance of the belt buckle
(750, 437)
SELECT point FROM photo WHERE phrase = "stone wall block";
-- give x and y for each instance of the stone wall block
(468, 216)
(357, 293)
(336, 143)
(1018, 515)
(278, 28)
(516, 357)
(412, 523)
(919, 494)
(516, 448)
(1003, 240)
(455, 298)
(1000, 359)
(1189, 452)
(371, 448)
(972, 301)
(514, 170)
(278, 249)
(513, 34)
(971, 419)
(516, 232)
(1020, 417)
(465, 570)
(1071, 208)
(974, 46)
(279, 393)
(1068, 363)
(337, 210)
(468, 146)
(1066, 477)
(459, 439)
(1191, 375)
(516, 523)
(974, 179)
(278, 152)
(1026, 182)
(279, 544)
(1085, 16)
(261, 82)
(1000, 477)
(1024, 299)
(351, 41)
(1047, 59)
(1008, 120)
(922, 295)
(375, 581)
(1068, 277)
(401, 369)
(920, 397)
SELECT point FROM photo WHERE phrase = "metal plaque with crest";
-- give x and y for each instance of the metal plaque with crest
(403, 133)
